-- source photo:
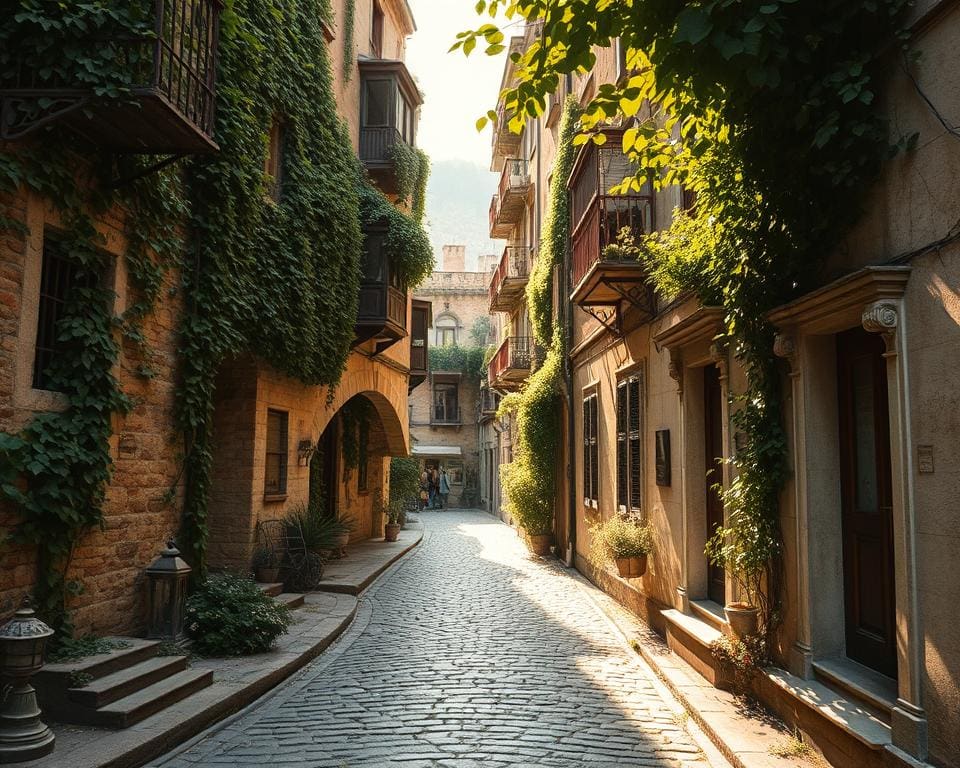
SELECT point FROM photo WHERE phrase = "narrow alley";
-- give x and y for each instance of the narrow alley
(470, 652)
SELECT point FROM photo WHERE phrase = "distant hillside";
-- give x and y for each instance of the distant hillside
(458, 202)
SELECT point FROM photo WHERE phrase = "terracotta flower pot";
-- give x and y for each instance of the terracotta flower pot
(539, 543)
(744, 619)
(391, 531)
(268, 575)
(340, 544)
(631, 567)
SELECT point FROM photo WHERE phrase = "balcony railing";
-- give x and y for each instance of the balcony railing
(168, 87)
(509, 279)
(507, 206)
(505, 141)
(446, 418)
(511, 363)
(601, 226)
(376, 144)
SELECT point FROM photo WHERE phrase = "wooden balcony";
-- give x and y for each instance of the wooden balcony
(509, 280)
(421, 320)
(508, 205)
(382, 309)
(167, 97)
(605, 274)
(510, 366)
(489, 403)
(389, 104)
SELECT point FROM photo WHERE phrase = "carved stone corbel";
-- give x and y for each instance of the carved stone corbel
(785, 347)
(882, 317)
(675, 368)
(718, 354)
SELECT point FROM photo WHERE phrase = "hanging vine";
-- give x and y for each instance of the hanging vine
(349, 22)
(779, 136)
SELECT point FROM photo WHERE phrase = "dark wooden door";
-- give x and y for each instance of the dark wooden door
(867, 501)
(713, 460)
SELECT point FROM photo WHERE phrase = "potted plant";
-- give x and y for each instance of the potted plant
(744, 548)
(266, 565)
(625, 540)
(392, 512)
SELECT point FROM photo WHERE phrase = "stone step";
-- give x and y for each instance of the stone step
(118, 685)
(292, 600)
(102, 664)
(140, 705)
(271, 589)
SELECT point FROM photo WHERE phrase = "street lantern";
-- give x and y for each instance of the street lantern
(22, 735)
(167, 580)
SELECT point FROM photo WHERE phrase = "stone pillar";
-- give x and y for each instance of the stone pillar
(887, 317)
(683, 596)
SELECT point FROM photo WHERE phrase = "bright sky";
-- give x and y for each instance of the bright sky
(456, 90)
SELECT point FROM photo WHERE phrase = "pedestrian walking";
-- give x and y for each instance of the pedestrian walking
(444, 487)
(424, 489)
(434, 488)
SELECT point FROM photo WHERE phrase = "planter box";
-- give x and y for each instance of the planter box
(631, 567)
(538, 544)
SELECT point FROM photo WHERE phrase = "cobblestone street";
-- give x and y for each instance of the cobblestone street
(469, 653)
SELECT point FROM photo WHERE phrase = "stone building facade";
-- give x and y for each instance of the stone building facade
(265, 423)
(444, 416)
(869, 363)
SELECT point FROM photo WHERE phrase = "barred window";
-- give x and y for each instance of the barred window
(275, 478)
(591, 451)
(630, 445)
(59, 276)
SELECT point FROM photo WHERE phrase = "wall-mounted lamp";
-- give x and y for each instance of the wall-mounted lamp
(305, 451)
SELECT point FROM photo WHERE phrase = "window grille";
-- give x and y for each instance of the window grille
(275, 477)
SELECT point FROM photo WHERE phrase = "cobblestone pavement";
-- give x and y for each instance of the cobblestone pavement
(470, 653)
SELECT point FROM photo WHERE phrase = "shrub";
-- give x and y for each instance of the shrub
(740, 658)
(404, 479)
(317, 529)
(229, 616)
(620, 537)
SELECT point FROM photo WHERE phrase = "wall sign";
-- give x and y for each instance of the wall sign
(663, 457)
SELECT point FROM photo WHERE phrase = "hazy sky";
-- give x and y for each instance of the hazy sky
(456, 90)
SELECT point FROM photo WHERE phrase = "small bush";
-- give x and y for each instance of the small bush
(620, 537)
(229, 616)
(76, 648)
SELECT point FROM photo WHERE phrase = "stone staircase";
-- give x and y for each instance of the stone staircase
(119, 688)
(128, 684)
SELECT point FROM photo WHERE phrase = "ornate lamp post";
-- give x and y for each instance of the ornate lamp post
(22, 735)
(167, 578)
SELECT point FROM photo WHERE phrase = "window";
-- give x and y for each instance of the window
(273, 166)
(377, 103)
(591, 451)
(376, 31)
(275, 478)
(446, 403)
(58, 277)
(689, 199)
(446, 328)
(630, 445)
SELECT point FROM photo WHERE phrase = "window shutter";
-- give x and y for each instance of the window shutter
(622, 458)
(595, 451)
(586, 448)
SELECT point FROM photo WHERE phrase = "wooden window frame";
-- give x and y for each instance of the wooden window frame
(591, 449)
(283, 454)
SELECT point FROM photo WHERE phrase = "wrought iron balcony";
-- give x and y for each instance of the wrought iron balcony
(606, 271)
(489, 402)
(389, 104)
(507, 207)
(508, 281)
(166, 98)
(510, 365)
(440, 417)
(382, 309)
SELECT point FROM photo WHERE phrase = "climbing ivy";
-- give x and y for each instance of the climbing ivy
(349, 22)
(467, 360)
(276, 279)
(407, 244)
(767, 110)
(530, 481)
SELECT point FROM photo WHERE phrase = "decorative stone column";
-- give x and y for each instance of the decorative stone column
(909, 721)
(801, 655)
(683, 598)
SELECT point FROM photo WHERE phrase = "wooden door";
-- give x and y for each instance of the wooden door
(713, 461)
(867, 501)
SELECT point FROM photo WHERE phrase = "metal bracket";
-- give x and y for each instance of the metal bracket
(122, 180)
(17, 123)
(615, 327)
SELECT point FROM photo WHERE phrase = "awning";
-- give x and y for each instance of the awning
(437, 450)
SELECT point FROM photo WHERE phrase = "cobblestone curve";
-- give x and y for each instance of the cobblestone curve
(470, 653)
